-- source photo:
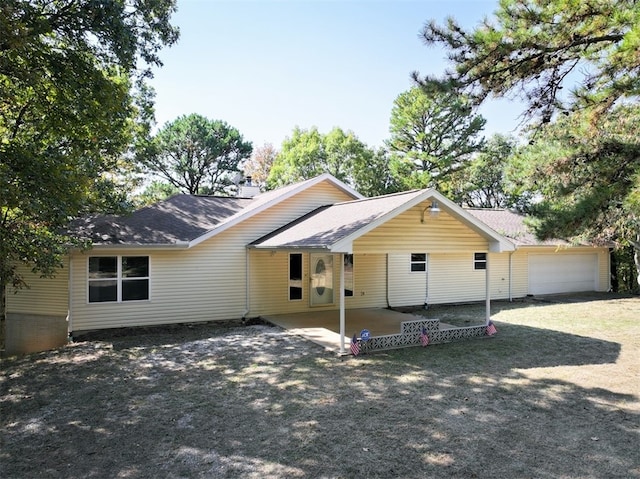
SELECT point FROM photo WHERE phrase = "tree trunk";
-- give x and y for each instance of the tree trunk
(636, 259)
(3, 290)
(615, 283)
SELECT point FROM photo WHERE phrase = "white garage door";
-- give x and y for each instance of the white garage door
(562, 273)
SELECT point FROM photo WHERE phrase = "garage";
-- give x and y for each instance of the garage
(562, 273)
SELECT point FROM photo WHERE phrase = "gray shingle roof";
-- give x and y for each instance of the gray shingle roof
(179, 219)
(184, 219)
(325, 226)
(511, 224)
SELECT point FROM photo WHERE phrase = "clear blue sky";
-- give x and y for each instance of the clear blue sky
(267, 66)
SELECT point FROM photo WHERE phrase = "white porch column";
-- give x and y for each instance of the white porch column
(487, 292)
(342, 315)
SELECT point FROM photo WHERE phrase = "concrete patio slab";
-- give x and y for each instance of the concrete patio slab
(323, 327)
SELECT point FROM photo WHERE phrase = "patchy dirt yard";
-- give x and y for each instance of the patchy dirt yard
(556, 394)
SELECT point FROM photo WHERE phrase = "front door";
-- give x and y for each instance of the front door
(321, 273)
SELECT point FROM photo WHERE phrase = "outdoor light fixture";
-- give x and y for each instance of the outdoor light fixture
(434, 210)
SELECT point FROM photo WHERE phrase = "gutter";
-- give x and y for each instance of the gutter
(153, 246)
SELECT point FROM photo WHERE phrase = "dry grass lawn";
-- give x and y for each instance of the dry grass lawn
(556, 394)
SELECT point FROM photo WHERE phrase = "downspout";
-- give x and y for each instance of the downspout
(247, 280)
(510, 276)
(387, 278)
(487, 292)
(70, 300)
(342, 301)
(426, 282)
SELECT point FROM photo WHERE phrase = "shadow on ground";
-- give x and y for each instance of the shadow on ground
(254, 402)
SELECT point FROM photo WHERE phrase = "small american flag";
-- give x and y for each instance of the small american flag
(355, 347)
(424, 339)
(491, 328)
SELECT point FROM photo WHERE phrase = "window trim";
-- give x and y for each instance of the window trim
(290, 280)
(413, 263)
(353, 280)
(480, 264)
(119, 278)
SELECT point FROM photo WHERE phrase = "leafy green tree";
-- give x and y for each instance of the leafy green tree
(432, 137)
(373, 177)
(154, 192)
(533, 49)
(575, 63)
(588, 178)
(72, 98)
(303, 156)
(308, 153)
(484, 183)
(197, 155)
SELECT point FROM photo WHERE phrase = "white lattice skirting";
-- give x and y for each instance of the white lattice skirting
(410, 335)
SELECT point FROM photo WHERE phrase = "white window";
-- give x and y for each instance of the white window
(295, 276)
(348, 275)
(418, 262)
(480, 261)
(118, 278)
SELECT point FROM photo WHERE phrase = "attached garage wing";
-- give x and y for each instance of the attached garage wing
(562, 273)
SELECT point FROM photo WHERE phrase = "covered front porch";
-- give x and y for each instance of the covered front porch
(370, 254)
(389, 329)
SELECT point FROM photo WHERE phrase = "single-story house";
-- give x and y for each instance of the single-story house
(313, 245)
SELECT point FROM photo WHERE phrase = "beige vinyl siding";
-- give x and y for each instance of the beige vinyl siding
(324, 193)
(604, 270)
(370, 282)
(498, 275)
(43, 296)
(520, 273)
(203, 283)
(406, 287)
(441, 238)
(406, 233)
(452, 279)
(184, 286)
(269, 284)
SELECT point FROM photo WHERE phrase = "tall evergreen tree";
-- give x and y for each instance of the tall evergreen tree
(588, 178)
(576, 65)
(432, 137)
(197, 155)
(538, 50)
(484, 182)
